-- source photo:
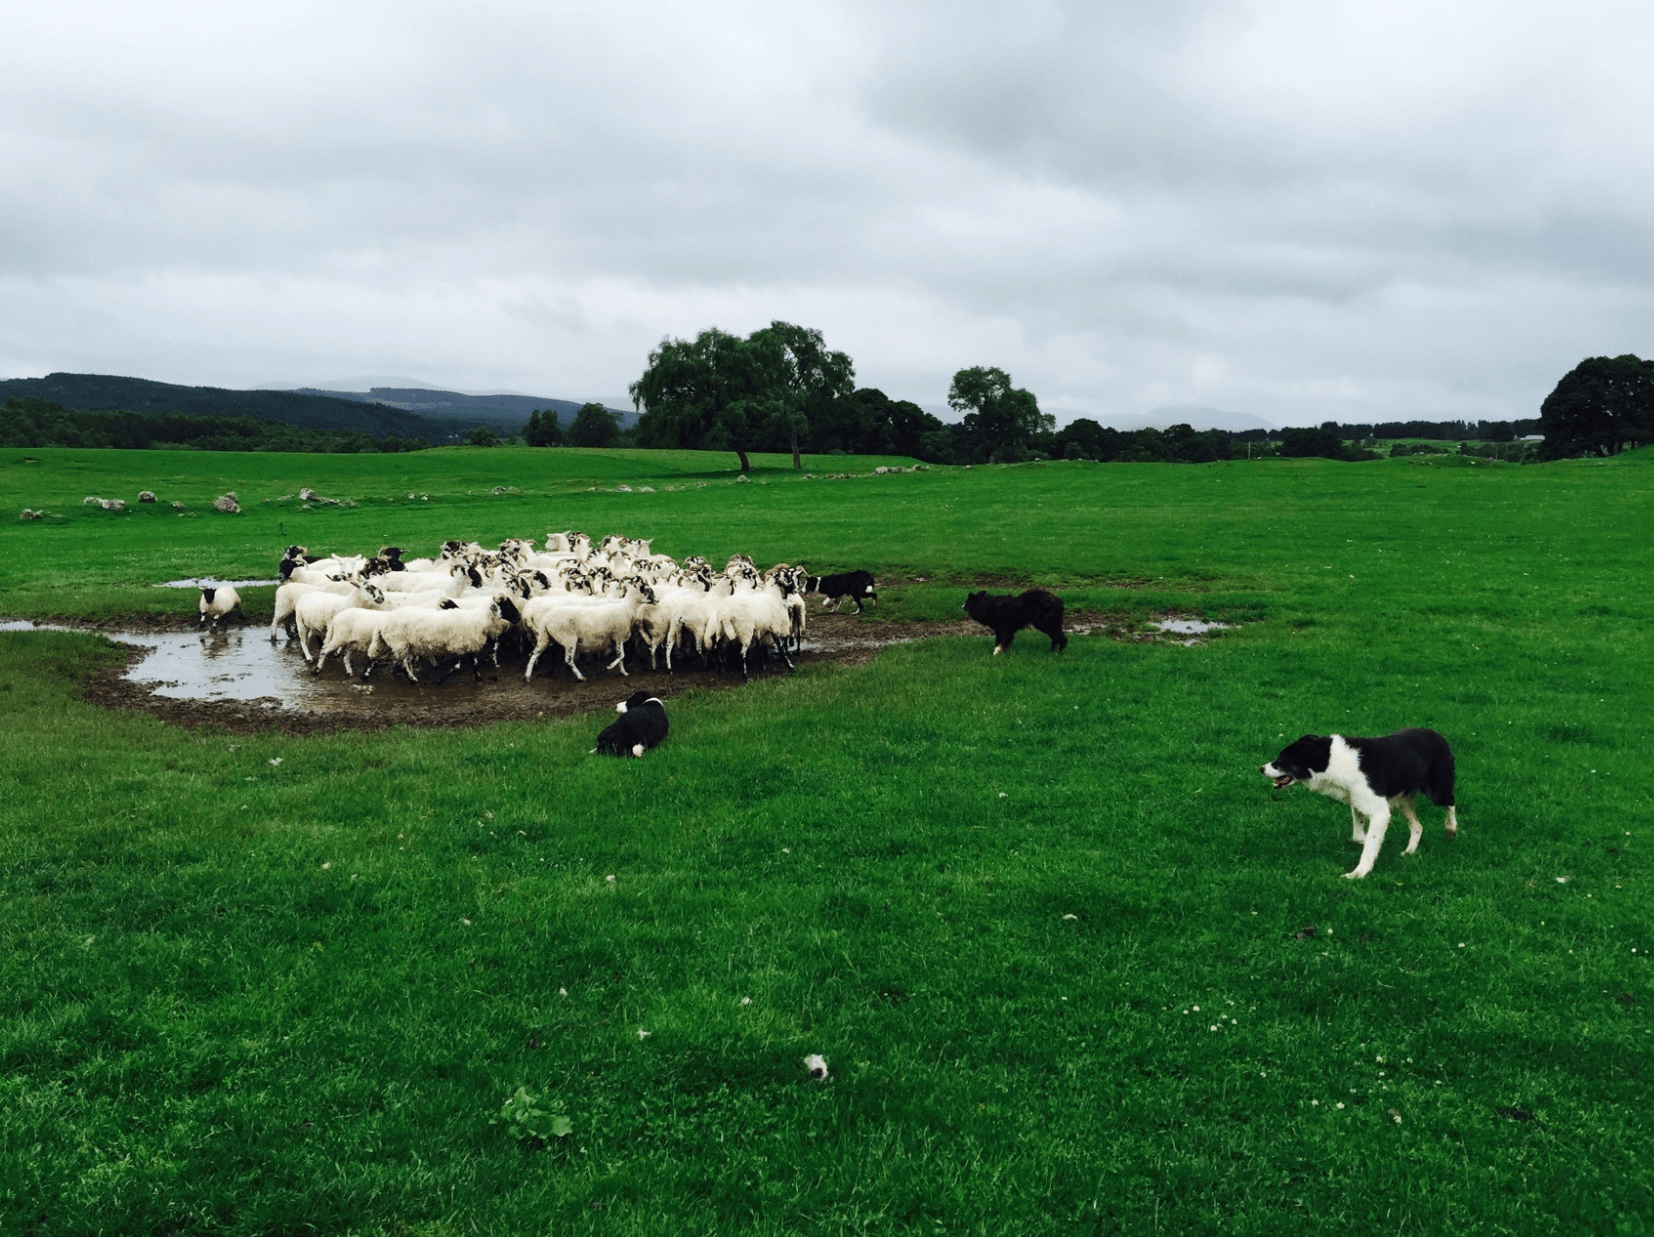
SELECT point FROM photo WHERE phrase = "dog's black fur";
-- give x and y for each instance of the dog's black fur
(856, 584)
(1006, 615)
(1403, 763)
(642, 725)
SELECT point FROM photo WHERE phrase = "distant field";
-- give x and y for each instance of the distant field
(1041, 914)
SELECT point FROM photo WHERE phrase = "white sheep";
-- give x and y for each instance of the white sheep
(759, 616)
(287, 598)
(216, 604)
(437, 634)
(592, 623)
(315, 610)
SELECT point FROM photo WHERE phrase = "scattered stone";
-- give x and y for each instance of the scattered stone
(743, 479)
(881, 470)
(146, 496)
(227, 503)
(645, 489)
(27, 514)
(306, 494)
(179, 507)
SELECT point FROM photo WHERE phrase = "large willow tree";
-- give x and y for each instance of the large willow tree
(720, 392)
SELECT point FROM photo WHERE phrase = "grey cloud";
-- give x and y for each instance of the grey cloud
(1297, 210)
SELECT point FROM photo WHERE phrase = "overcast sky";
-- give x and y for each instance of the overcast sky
(1300, 210)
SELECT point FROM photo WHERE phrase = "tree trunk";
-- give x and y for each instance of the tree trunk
(797, 463)
(746, 464)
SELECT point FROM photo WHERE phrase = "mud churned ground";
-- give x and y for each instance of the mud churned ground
(299, 703)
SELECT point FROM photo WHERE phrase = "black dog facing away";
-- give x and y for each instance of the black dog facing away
(1008, 615)
(642, 725)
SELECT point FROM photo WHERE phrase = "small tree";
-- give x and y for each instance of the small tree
(542, 429)
(595, 426)
(1001, 420)
(482, 436)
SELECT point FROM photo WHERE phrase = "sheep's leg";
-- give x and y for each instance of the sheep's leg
(620, 659)
(569, 652)
(540, 645)
(349, 673)
(407, 667)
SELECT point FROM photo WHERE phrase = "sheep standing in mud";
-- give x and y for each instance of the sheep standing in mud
(217, 602)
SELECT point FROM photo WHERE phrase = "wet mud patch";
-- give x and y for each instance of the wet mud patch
(236, 679)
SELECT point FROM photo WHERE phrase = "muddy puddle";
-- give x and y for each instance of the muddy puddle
(236, 678)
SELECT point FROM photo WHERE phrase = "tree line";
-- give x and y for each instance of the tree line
(32, 421)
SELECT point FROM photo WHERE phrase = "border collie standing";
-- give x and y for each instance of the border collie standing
(1008, 615)
(1371, 775)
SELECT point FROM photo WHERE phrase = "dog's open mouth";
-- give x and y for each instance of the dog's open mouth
(1284, 780)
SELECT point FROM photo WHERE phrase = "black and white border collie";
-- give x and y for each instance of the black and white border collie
(1007, 615)
(642, 725)
(856, 585)
(1372, 775)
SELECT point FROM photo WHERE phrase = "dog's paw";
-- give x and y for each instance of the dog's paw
(1356, 875)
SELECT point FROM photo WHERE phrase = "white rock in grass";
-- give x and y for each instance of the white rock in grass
(227, 503)
(817, 1065)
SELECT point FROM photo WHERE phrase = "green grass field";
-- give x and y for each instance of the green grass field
(1041, 914)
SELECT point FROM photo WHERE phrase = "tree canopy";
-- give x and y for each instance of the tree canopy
(1600, 407)
(594, 426)
(542, 429)
(719, 392)
(1001, 421)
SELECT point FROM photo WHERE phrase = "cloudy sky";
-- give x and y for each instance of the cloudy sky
(1301, 210)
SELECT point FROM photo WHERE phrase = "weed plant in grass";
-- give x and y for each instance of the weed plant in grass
(1047, 923)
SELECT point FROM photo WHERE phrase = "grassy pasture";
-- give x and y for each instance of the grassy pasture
(275, 985)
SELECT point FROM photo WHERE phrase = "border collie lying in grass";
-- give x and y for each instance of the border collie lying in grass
(1008, 615)
(1371, 775)
(642, 725)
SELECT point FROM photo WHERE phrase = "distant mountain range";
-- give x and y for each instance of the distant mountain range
(498, 410)
(401, 412)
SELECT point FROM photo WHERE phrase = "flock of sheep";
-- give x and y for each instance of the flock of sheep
(579, 595)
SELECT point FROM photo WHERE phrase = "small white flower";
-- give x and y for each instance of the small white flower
(1562, 880)
(786, 850)
(326, 866)
(1196, 1008)
(1213, 1027)
(1003, 795)
(466, 922)
(1076, 917)
(275, 760)
(1380, 1060)
(1315, 1103)
(642, 1034)
(1340, 1103)
(817, 1065)
(562, 992)
(746, 1000)
(610, 879)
